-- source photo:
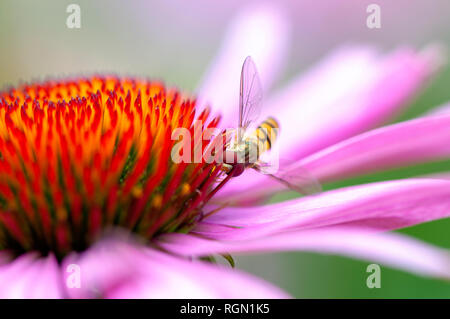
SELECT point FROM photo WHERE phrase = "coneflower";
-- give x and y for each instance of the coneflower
(82, 156)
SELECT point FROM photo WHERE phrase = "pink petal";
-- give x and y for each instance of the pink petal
(406, 143)
(350, 97)
(117, 269)
(378, 206)
(29, 276)
(350, 93)
(390, 249)
(419, 140)
(260, 31)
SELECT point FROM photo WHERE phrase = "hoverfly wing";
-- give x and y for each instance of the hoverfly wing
(296, 178)
(250, 95)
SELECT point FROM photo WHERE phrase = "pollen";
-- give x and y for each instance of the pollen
(80, 155)
(157, 201)
(185, 189)
(137, 191)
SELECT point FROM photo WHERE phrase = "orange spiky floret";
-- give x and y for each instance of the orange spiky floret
(77, 156)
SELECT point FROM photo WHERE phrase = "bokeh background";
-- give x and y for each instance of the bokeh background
(176, 40)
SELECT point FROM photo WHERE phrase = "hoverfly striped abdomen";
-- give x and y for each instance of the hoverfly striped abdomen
(247, 149)
(267, 133)
(261, 140)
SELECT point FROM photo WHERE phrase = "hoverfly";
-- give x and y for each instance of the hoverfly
(246, 149)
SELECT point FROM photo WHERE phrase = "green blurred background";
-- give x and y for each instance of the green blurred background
(176, 40)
